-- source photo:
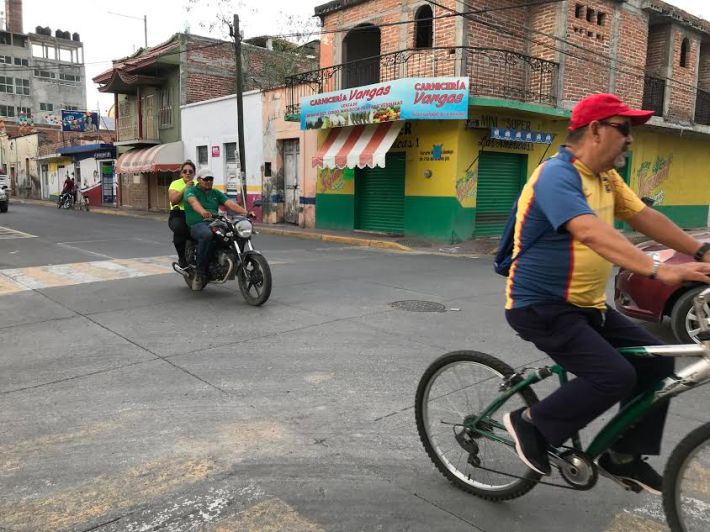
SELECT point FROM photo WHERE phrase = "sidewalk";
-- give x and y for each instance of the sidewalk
(468, 248)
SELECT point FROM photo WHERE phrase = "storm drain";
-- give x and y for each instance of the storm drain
(418, 306)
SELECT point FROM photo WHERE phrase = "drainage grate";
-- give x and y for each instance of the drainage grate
(418, 306)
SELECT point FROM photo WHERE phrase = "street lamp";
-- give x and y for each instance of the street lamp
(145, 23)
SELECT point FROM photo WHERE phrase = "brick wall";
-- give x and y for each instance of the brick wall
(704, 68)
(209, 71)
(659, 38)
(681, 101)
(632, 39)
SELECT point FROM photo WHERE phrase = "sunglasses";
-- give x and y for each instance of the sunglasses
(189, 172)
(624, 129)
(208, 178)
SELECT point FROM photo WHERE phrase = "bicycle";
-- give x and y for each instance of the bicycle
(457, 408)
(82, 202)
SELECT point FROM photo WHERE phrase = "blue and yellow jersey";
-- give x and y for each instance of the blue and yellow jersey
(557, 268)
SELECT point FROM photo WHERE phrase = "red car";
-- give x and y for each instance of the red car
(639, 297)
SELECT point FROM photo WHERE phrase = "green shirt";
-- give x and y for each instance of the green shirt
(210, 201)
(178, 185)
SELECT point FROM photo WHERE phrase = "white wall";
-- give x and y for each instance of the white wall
(89, 172)
(214, 123)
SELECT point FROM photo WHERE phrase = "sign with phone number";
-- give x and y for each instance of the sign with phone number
(401, 99)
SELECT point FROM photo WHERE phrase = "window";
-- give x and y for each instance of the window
(70, 107)
(66, 54)
(27, 111)
(7, 110)
(601, 19)
(70, 77)
(201, 155)
(424, 28)
(5, 38)
(578, 9)
(45, 74)
(5, 59)
(230, 152)
(165, 114)
(267, 169)
(42, 50)
(22, 86)
(6, 84)
(21, 62)
(590, 14)
(46, 107)
(684, 52)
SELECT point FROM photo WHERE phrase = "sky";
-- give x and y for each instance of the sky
(112, 30)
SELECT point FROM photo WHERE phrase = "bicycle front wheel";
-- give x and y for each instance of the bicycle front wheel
(686, 485)
(455, 389)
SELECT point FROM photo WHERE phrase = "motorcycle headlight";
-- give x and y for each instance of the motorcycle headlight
(243, 228)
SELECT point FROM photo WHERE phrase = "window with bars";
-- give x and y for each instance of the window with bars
(22, 86)
(6, 84)
(7, 111)
(165, 114)
(201, 155)
(46, 107)
(27, 111)
(45, 74)
(6, 59)
(70, 77)
(230, 152)
(21, 62)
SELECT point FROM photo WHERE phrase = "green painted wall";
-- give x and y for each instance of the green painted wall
(437, 217)
(686, 216)
(335, 211)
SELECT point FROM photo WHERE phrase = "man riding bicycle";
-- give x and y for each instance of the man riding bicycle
(556, 290)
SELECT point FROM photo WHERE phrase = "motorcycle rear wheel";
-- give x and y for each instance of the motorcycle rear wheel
(254, 278)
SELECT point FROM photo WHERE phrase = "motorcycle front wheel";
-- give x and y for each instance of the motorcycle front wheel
(254, 278)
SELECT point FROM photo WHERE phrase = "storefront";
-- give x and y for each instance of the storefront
(146, 174)
(92, 169)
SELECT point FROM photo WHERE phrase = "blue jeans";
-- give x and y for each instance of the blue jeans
(203, 234)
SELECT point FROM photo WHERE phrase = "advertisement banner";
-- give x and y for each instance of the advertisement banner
(80, 121)
(401, 99)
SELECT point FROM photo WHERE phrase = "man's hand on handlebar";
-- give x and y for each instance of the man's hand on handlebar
(251, 215)
(207, 215)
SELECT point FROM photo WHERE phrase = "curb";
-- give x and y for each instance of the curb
(261, 228)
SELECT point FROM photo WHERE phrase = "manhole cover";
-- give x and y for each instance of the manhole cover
(418, 306)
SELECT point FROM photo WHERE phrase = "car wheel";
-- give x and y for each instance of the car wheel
(684, 322)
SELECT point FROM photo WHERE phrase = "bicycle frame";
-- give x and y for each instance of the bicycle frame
(681, 381)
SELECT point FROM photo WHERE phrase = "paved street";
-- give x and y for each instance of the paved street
(128, 402)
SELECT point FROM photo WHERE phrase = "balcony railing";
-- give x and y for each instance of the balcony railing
(493, 72)
(654, 94)
(702, 108)
(127, 128)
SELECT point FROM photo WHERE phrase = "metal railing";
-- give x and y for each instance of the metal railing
(654, 94)
(702, 108)
(493, 72)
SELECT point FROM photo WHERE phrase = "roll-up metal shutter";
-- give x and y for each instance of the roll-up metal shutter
(500, 179)
(379, 196)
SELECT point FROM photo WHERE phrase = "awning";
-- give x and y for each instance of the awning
(161, 158)
(357, 146)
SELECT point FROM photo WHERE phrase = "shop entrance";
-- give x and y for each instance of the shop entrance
(501, 177)
(379, 196)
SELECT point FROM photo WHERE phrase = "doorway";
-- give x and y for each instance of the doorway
(291, 151)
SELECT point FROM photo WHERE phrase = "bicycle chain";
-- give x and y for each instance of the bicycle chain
(523, 478)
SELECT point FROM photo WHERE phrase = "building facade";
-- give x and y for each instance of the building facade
(526, 65)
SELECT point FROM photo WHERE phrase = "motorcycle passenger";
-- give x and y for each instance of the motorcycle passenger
(202, 203)
(556, 290)
(176, 220)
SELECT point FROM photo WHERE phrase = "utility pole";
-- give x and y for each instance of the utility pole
(240, 109)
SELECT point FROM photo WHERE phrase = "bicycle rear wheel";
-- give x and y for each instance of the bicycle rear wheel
(457, 387)
(686, 485)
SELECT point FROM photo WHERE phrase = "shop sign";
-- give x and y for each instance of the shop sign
(107, 154)
(401, 99)
(518, 135)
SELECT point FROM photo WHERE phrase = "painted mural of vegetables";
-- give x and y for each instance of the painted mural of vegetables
(652, 176)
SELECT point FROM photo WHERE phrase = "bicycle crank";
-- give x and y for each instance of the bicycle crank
(576, 469)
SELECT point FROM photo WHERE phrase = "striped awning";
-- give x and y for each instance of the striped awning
(357, 146)
(160, 158)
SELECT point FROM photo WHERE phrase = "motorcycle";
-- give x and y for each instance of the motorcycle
(233, 257)
(65, 201)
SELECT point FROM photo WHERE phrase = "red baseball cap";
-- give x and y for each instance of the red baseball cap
(602, 106)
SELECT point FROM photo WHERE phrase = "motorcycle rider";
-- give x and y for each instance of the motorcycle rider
(176, 220)
(202, 203)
